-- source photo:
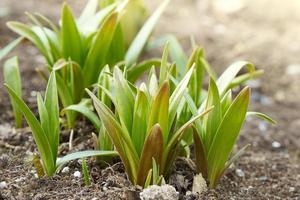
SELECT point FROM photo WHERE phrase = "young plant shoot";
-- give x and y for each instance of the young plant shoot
(46, 130)
(79, 48)
(141, 126)
(12, 78)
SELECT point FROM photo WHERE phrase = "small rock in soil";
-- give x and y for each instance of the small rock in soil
(291, 189)
(164, 192)
(293, 70)
(65, 170)
(263, 126)
(77, 174)
(199, 184)
(239, 173)
(263, 178)
(3, 185)
(276, 145)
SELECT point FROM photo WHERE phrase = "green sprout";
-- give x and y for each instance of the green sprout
(79, 48)
(141, 126)
(12, 78)
(46, 130)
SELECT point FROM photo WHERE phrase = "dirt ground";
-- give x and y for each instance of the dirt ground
(265, 32)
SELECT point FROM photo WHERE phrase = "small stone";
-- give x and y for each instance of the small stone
(276, 145)
(263, 126)
(104, 188)
(36, 175)
(263, 178)
(155, 192)
(199, 184)
(33, 93)
(3, 185)
(293, 69)
(77, 174)
(280, 96)
(291, 189)
(65, 170)
(21, 179)
(239, 173)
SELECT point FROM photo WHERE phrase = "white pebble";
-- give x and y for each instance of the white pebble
(276, 145)
(65, 170)
(199, 184)
(293, 69)
(291, 189)
(164, 192)
(239, 173)
(77, 174)
(3, 185)
(263, 126)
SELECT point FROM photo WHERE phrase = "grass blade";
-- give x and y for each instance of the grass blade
(99, 49)
(153, 149)
(227, 134)
(83, 154)
(85, 111)
(159, 112)
(262, 116)
(39, 135)
(12, 78)
(7, 49)
(71, 39)
(142, 37)
(140, 120)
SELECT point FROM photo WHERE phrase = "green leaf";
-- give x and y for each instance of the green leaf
(200, 154)
(25, 31)
(66, 98)
(7, 49)
(226, 101)
(44, 116)
(124, 99)
(135, 72)
(38, 133)
(231, 72)
(176, 52)
(83, 154)
(143, 35)
(140, 121)
(89, 26)
(12, 78)
(51, 103)
(164, 65)
(85, 173)
(71, 39)
(85, 111)
(89, 11)
(262, 116)
(177, 95)
(117, 48)
(213, 119)
(153, 148)
(159, 111)
(119, 137)
(99, 49)
(76, 85)
(227, 134)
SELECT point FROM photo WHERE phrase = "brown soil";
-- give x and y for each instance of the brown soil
(263, 31)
